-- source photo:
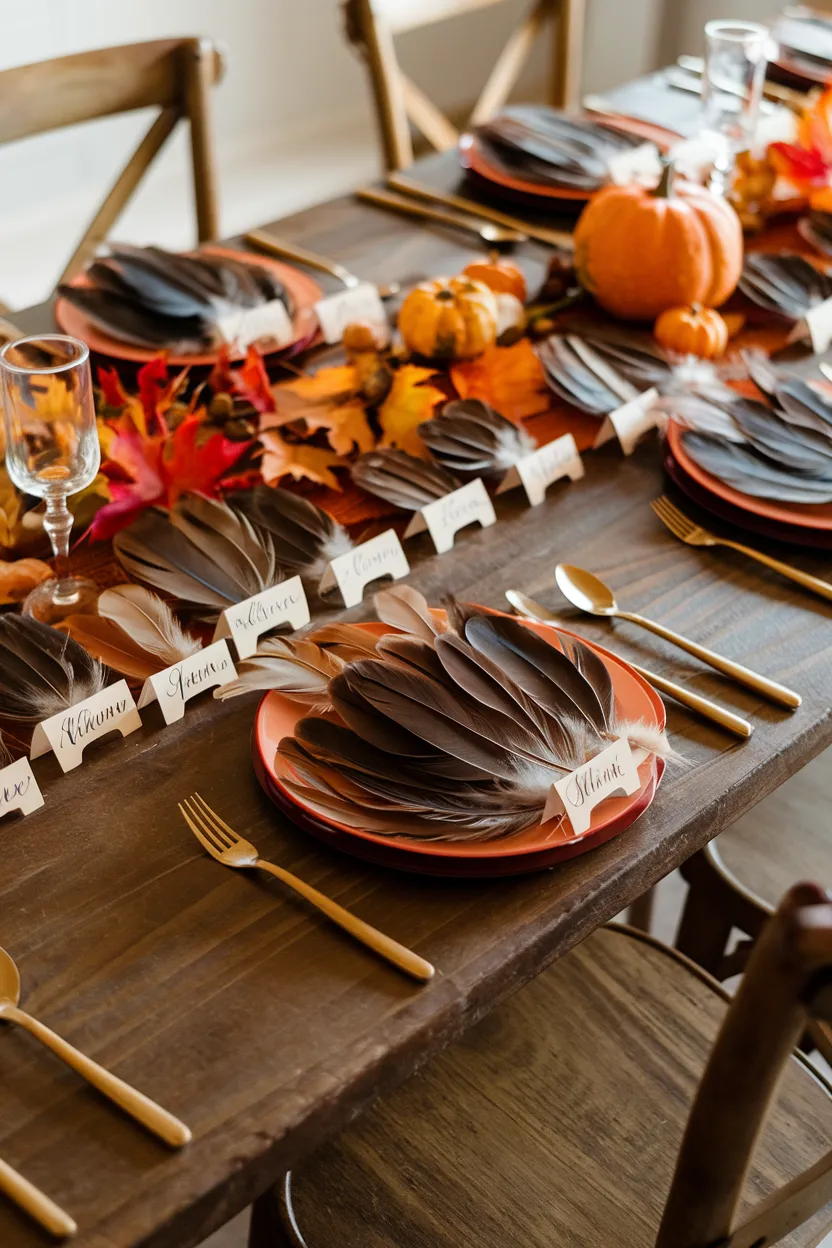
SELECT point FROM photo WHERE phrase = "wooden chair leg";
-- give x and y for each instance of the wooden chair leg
(705, 926)
(640, 913)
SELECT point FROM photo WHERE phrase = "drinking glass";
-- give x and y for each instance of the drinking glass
(735, 70)
(52, 451)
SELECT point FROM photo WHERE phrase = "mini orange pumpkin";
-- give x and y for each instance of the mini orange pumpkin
(449, 318)
(501, 276)
(692, 330)
(640, 251)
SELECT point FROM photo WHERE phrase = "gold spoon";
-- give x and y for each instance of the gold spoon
(487, 230)
(694, 701)
(588, 593)
(139, 1106)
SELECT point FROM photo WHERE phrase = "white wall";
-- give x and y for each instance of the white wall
(293, 118)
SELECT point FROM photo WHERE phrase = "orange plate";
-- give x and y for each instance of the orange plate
(811, 516)
(476, 160)
(530, 850)
(303, 289)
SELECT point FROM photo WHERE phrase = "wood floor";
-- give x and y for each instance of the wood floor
(803, 799)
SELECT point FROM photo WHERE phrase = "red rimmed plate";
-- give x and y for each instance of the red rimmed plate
(532, 850)
(303, 289)
(487, 168)
(801, 522)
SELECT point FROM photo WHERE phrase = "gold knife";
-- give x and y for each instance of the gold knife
(703, 706)
(541, 233)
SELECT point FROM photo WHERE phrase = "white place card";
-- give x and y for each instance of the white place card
(639, 164)
(357, 303)
(612, 771)
(268, 320)
(537, 470)
(69, 732)
(249, 620)
(353, 572)
(19, 789)
(443, 519)
(815, 328)
(630, 421)
(175, 685)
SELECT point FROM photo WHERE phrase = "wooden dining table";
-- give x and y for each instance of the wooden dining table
(222, 995)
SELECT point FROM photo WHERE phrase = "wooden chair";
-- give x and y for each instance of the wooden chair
(556, 1120)
(173, 75)
(372, 24)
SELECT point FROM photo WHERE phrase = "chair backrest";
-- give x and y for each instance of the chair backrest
(787, 983)
(372, 25)
(173, 75)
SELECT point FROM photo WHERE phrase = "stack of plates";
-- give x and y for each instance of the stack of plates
(532, 850)
(801, 524)
(537, 155)
(804, 39)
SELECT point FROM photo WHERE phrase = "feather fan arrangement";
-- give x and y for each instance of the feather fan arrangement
(454, 730)
(43, 671)
(401, 479)
(471, 438)
(581, 375)
(154, 298)
(135, 633)
(306, 539)
(300, 667)
(202, 553)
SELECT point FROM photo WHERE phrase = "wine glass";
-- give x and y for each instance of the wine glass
(52, 451)
(732, 85)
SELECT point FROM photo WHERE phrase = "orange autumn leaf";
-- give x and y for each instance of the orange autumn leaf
(297, 460)
(19, 576)
(509, 378)
(328, 400)
(346, 424)
(407, 406)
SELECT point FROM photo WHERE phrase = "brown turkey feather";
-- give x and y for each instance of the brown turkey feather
(202, 553)
(449, 736)
(401, 479)
(474, 439)
(43, 671)
(301, 667)
(105, 641)
(306, 538)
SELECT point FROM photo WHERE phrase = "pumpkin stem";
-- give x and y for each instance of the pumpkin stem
(665, 188)
(444, 295)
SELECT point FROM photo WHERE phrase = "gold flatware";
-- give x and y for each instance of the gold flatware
(419, 190)
(694, 701)
(232, 850)
(489, 233)
(797, 101)
(586, 592)
(33, 1201)
(275, 246)
(134, 1103)
(693, 534)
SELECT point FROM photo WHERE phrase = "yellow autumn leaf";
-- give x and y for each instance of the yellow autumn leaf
(409, 403)
(297, 460)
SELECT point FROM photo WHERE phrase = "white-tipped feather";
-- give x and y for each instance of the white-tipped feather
(149, 622)
(43, 671)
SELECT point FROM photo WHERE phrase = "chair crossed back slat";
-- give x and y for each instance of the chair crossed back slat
(787, 984)
(173, 75)
(372, 24)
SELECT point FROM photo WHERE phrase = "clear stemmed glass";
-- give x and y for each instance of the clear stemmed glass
(52, 451)
(735, 70)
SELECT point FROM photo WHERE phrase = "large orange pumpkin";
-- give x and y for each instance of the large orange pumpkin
(449, 318)
(640, 251)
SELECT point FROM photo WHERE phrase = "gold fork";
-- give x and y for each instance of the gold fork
(232, 850)
(692, 534)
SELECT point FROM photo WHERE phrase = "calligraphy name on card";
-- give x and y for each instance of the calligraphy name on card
(69, 732)
(612, 771)
(379, 557)
(247, 621)
(815, 327)
(358, 303)
(19, 790)
(176, 685)
(445, 517)
(539, 469)
(629, 422)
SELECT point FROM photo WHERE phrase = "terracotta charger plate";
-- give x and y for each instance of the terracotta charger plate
(532, 850)
(809, 523)
(487, 168)
(304, 290)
